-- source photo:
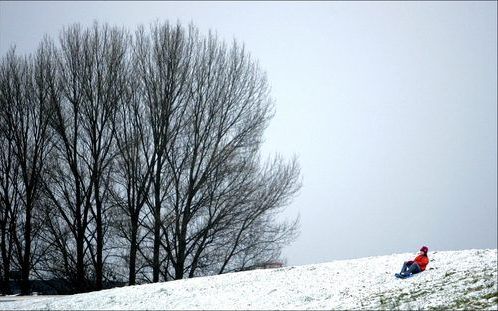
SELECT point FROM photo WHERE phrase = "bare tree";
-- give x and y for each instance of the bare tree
(210, 160)
(103, 53)
(163, 60)
(92, 67)
(134, 166)
(69, 187)
(9, 173)
(8, 205)
(25, 103)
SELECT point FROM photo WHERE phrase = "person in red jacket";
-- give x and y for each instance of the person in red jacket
(416, 265)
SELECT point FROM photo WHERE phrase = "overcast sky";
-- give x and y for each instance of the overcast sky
(390, 107)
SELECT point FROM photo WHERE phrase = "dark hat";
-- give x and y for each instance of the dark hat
(424, 249)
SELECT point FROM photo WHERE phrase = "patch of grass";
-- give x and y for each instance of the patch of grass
(491, 295)
(438, 308)
(482, 287)
(476, 289)
(466, 303)
(491, 284)
(389, 303)
(384, 301)
(419, 293)
(462, 302)
(449, 273)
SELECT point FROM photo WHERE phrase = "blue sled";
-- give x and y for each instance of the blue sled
(400, 276)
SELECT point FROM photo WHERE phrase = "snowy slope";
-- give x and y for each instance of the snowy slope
(455, 280)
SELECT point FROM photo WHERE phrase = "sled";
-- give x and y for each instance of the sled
(399, 276)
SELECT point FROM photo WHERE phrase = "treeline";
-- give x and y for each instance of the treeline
(135, 157)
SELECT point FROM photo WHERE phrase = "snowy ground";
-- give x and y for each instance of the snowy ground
(454, 280)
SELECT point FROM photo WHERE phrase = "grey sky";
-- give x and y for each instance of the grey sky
(391, 108)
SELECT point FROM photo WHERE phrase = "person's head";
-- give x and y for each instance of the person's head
(424, 250)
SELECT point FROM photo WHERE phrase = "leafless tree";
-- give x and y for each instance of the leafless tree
(8, 205)
(69, 186)
(91, 66)
(9, 173)
(163, 59)
(211, 171)
(26, 109)
(134, 167)
(103, 53)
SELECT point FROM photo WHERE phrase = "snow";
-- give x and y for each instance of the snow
(453, 280)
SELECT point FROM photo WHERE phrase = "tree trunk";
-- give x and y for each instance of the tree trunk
(100, 241)
(157, 242)
(133, 252)
(100, 247)
(25, 265)
(157, 222)
(180, 262)
(80, 264)
(4, 282)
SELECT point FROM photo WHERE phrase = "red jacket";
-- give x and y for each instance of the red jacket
(422, 261)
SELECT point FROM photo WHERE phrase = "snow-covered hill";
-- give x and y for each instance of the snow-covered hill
(454, 280)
